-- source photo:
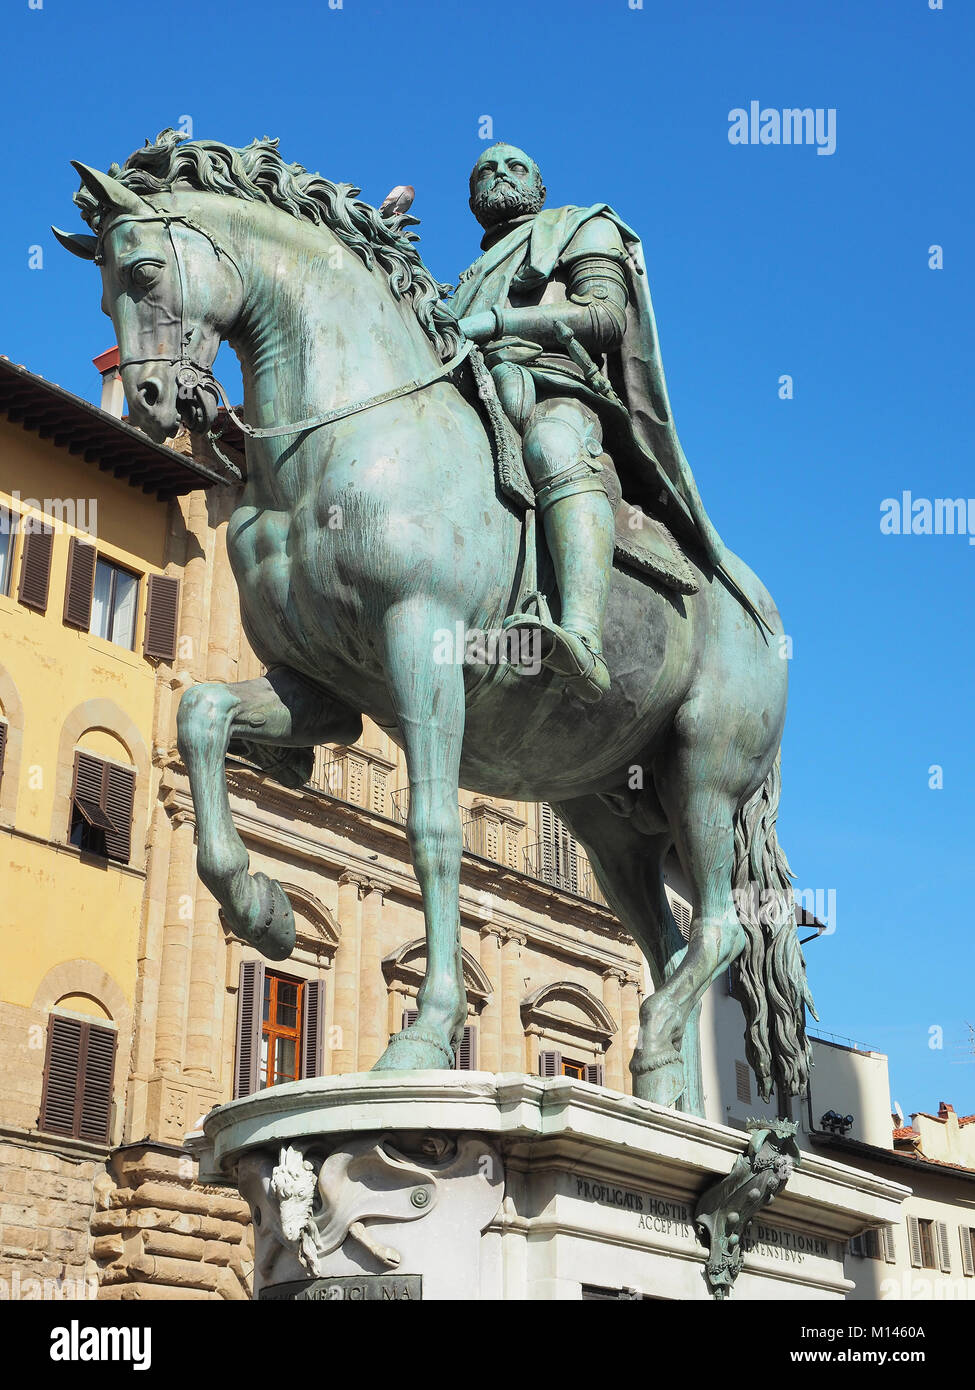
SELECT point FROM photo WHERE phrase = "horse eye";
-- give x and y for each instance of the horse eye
(145, 274)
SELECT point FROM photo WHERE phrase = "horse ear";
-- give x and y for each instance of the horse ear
(109, 192)
(77, 243)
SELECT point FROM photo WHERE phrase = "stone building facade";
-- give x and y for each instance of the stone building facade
(86, 607)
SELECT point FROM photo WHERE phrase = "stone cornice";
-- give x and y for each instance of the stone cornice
(370, 830)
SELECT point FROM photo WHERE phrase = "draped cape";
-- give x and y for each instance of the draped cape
(654, 462)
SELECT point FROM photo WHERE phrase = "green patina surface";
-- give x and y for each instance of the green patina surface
(654, 716)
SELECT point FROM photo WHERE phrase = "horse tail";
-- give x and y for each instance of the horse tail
(773, 990)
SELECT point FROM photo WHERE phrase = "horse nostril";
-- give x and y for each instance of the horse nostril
(150, 390)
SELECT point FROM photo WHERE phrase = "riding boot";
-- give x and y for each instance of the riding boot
(580, 532)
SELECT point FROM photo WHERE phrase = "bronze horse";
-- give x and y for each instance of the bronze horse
(328, 306)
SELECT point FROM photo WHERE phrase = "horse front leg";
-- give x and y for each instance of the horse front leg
(429, 702)
(279, 708)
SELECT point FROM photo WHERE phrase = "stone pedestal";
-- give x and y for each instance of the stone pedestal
(467, 1185)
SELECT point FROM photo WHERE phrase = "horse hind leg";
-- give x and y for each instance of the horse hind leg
(279, 708)
(628, 863)
(702, 822)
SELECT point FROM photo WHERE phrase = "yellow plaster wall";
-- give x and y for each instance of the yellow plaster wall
(53, 905)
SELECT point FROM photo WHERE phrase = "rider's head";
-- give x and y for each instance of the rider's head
(505, 183)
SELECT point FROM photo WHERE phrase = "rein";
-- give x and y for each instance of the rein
(192, 375)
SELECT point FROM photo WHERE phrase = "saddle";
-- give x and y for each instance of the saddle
(643, 545)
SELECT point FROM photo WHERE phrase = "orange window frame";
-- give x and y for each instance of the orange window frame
(272, 1030)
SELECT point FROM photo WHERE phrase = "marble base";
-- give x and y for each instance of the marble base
(511, 1187)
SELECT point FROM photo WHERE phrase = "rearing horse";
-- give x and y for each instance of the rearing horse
(328, 306)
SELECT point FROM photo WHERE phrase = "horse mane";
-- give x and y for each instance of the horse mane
(260, 174)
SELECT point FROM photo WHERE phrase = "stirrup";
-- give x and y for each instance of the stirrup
(568, 654)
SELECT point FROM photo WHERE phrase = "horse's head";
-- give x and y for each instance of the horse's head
(172, 293)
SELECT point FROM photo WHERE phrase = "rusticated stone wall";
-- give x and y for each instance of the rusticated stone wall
(46, 1204)
(157, 1234)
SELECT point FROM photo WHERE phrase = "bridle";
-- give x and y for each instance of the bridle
(192, 375)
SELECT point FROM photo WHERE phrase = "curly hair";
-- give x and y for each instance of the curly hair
(259, 173)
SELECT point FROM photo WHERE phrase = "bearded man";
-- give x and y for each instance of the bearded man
(559, 302)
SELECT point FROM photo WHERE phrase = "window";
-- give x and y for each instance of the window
(929, 1244)
(551, 1063)
(102, 796)
(558, 859)
(743, 1082)
(101, 597)
(79, 1067)
(113, 604)
(35, 565)
(967, 1237)
(682, 913)
(874, 1245)
(6, 552)
(280, 1029)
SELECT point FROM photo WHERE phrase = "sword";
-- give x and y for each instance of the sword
(578, 354)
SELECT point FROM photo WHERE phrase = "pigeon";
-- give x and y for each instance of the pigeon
(397, 201)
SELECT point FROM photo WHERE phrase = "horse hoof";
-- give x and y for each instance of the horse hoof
(413, 1051)
(662, 1084)
(273, 932)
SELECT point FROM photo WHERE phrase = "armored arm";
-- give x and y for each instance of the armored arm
(596, 298)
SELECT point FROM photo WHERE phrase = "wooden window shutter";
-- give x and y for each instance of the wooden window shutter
(96, 1091)
(62, 1069)
(550, 1063)
(890, 1255)
(594, 1073)
(682, 914)
(313, 1028)
(88, 790)
(35, 569)
(80, 584)
(944, 1249)
(410, 1016)
(250, 1015)
(871, 1241)
(914, 1236)
(119, 800)
(570, 855)
(162, 611)
(3, 744)
(856, 1247)
(467, 1052)
(967, 1240)
(546, 848)
(743, 1083)
(76, 1097)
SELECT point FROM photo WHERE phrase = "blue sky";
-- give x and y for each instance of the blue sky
(764, 260)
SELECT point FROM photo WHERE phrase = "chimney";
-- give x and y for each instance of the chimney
(944, 1110)
(113, 396)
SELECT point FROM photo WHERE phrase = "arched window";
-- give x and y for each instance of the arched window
(79, 1072)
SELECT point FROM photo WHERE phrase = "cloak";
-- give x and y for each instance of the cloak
(523, 259)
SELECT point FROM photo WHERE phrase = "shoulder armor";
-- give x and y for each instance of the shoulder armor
(596, 237)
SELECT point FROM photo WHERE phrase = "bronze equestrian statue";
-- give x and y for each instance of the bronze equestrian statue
(655, 718)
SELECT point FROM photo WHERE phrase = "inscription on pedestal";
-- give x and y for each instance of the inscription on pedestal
(349, 1288)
